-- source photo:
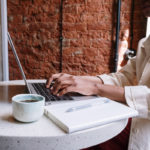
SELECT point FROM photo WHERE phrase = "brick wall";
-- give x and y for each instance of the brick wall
(88, 35)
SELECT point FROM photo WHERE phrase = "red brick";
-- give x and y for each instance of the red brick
(66, 43)
(67, 17)
(71, 34)
(70, 51)
(90, 17)
(101, 44)
(70, 9)
(74, 27)
(13, 2)
(99, 26)
(66, 2)
(76, 43)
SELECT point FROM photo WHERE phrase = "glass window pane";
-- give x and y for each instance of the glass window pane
(148, 27)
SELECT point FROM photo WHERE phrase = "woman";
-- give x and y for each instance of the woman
(131, 85)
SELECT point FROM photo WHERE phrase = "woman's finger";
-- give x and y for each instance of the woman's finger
(51, 79)
(59, 85)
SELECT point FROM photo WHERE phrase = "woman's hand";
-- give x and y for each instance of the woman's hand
(64, 83)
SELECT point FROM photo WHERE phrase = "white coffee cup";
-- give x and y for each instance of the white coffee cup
(28, 107)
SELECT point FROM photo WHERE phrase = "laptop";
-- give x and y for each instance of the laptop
(40, 88)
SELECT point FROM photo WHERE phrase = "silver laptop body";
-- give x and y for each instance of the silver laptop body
(39, 88)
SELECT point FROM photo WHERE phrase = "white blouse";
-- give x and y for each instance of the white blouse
(135, 78)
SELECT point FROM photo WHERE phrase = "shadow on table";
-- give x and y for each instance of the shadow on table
(9, 118)
(8, 91)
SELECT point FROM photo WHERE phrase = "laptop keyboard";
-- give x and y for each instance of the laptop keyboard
(41, 89)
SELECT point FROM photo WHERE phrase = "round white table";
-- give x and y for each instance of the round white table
(44, 134)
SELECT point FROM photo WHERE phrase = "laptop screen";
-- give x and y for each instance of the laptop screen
(17, 59)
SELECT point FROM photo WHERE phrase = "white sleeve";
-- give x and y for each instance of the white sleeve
(138, 97)
(122, 78)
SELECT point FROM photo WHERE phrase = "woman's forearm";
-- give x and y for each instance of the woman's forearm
(113, 92)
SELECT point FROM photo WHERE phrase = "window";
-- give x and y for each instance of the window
(148, 27)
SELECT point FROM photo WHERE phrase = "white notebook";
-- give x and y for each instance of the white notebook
(79, 115)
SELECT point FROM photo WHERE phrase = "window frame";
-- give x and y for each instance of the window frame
(4, 48)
